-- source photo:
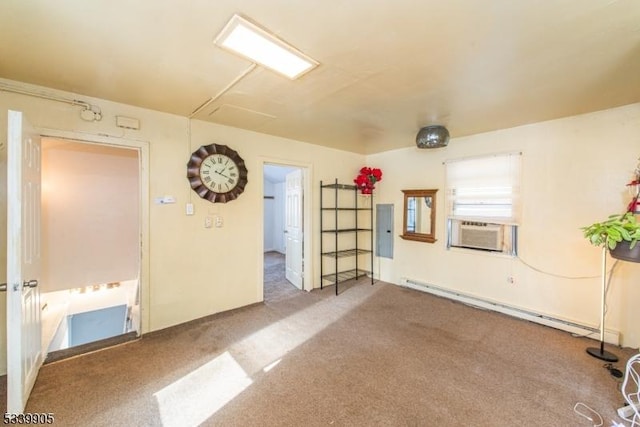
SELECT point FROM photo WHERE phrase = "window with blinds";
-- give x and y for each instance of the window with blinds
(484, 188)
(483, 202)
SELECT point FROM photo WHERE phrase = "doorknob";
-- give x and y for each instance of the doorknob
(30, 284)
(3, 287)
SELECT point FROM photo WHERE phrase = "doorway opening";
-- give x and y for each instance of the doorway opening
(283, 224)
(91, 240)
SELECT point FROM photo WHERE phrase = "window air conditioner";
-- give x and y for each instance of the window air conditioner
(481, 236)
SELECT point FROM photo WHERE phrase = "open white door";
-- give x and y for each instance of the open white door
(293, 228)
(24, 353)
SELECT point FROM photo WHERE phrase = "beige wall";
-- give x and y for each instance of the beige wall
(90, 215)
(574, 173)
(193, 271)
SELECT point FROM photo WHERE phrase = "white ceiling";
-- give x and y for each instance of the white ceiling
(387, 67)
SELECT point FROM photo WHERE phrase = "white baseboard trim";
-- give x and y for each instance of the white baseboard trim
(610, 336)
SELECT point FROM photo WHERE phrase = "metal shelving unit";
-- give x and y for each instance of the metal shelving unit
(346, 261)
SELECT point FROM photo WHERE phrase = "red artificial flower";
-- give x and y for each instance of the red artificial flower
(367, 178)
(361, 181)
(377, 173)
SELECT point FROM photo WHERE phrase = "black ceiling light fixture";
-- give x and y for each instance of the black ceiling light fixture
(433, 136)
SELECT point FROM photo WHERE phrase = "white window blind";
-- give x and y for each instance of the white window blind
(484, 188)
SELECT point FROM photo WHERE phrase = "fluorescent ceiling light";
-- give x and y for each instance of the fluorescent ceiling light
(258, 45)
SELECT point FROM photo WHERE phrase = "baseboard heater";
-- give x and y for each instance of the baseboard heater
(611, 337)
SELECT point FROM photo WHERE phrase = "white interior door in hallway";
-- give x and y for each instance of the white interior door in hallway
(294, 228)
(287, 218)
(24, 346)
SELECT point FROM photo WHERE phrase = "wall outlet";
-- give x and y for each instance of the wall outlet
(208, 222)
(219, 222)
(511, 280)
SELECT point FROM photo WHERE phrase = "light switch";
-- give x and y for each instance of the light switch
(189, 209)
(219, 222)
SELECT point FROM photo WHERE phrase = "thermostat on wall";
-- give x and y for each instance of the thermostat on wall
(164, 200)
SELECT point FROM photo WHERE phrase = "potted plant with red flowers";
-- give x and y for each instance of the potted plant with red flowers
(620, 233)
(367, 178)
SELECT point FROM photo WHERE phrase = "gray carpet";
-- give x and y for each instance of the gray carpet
(276, 286)
(373, 356)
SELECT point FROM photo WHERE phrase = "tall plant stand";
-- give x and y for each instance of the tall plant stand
(600, 352)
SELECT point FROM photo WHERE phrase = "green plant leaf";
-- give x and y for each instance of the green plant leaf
(614, 229)
(625, 233)
(614, 234)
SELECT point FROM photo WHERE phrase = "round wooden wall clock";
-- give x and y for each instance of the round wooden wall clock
(217, 173)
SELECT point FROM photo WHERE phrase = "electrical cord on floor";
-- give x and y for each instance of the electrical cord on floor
(615, 372)
(593, 415)
(589, 335)
(588, 413)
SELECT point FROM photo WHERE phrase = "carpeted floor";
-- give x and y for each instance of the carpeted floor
(276, 286)
(377, 355)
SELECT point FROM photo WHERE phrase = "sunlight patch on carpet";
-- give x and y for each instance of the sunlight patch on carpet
(270, 366)
(196, 396)
(274, 341)
(200, 394)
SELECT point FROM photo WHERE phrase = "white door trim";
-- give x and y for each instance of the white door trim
(307, 245)
(143, 150)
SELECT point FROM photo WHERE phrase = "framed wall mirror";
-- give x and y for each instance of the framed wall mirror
(419, 213)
